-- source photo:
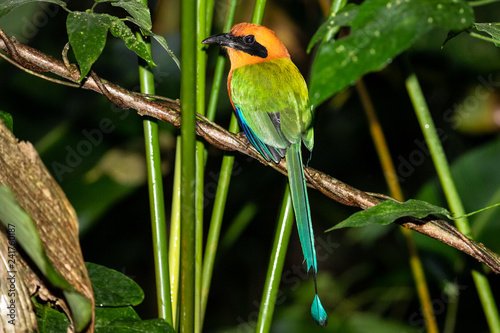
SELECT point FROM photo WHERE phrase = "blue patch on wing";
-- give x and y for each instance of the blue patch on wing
(254, 139)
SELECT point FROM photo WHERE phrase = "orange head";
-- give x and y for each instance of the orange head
(248, 43)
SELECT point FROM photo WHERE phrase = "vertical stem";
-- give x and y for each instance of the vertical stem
(219, 68)
(226, 169)
(448, 185)
(395, 190)
(188, 158)
(276, 262)
(258, 11)
(210, 6)
(174, 250)
(156, 202)
(200, 155)
(216, 222)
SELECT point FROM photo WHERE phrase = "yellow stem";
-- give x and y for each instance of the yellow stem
(395, 190)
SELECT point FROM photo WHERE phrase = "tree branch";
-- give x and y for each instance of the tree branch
(169, 111)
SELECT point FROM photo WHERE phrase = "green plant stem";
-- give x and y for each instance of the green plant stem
(448, 185)
(226, 168)
(209, 16)
(174, 250)
(276, 262)
(238, 226)
(396, 192)
(485, 38)
(481, 2)
(219, 67)
(225, 172)
(335, 7)
(201, 64)
(188, 160)
(216, 222)
(156, 201)
(258, 11)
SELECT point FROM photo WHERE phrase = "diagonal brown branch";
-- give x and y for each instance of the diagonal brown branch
(170, 112)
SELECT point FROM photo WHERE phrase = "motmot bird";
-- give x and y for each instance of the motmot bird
(271, 102)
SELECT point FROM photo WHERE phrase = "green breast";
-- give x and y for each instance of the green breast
(274, 87)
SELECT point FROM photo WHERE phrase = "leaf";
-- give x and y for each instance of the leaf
(112, 288)
(130, 325)
(8, 5)
(104, 316)
(163, 43)
(119, 29)
(493, 29)
(389, 211)
(139, 11)
(159, 39)
(87, 34)
(125, 319)
(7, 120)
(451, 35)
(343, 17)
(381, 30)
(48, 319)
(15, 218)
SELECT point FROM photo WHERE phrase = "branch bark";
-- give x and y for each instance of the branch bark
(170, 111)
(24, 173)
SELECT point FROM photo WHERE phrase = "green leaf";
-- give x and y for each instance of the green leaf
(380, 31)
(139, 11)
(493, 29)
(104, 316)
(119, 29)
(389, 211)
(158, 38)
(8, 5)
(112, 288)
(50, 320)
(450, 36)
(19, 223)
(343, 17)
(130, 325)
(7, 120)
(87, 34)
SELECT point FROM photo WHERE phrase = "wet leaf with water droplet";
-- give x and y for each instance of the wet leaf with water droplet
(492, 29)
(342, 18)
(381, 30)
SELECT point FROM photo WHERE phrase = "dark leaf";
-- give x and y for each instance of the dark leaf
(112, 288)
(119, 29)
(8, 5)
(7, 120)
(389, 211)
(87, 34)
(50, 320)
(343, 17)
(136, 8)
(381, 30)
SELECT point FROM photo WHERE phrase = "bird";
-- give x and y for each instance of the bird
(271, 102)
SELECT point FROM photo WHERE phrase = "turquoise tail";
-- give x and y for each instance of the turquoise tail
(300, 202)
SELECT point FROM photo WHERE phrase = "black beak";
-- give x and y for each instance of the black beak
(220, 39)
(237, 43)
